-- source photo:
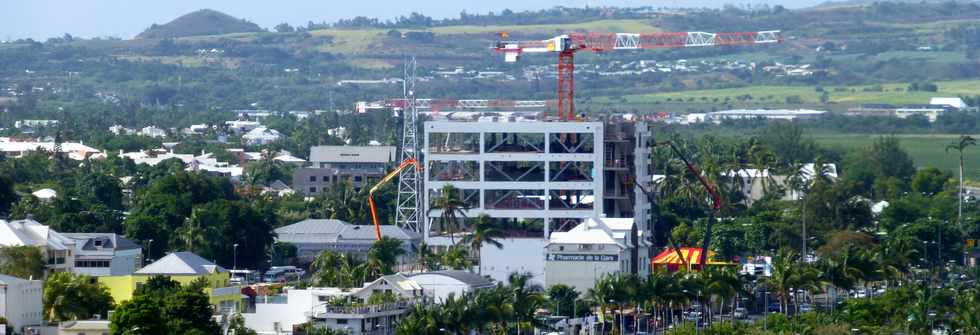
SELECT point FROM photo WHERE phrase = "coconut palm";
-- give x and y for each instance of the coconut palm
(456, 258)
(483, 230)
(426, 259)
(961, 145)
(385, 253)
(452, 208)
(527, 298)
(563, 296)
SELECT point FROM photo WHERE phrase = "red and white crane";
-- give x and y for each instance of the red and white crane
(567, 45)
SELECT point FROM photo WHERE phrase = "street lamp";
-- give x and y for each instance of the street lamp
(149, 250)
(235, 256)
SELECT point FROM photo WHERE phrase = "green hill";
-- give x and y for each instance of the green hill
(198, 23)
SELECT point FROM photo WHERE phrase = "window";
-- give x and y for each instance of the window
(312, 178)
(312, 189)
(357, 178)
(91, 263)
(341, 321)
(326, 178)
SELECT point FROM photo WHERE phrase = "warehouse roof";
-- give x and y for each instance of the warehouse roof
(332, 231)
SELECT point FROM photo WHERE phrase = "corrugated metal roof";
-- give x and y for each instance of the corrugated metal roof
(353, 154)
(181, 263)
(331, 231)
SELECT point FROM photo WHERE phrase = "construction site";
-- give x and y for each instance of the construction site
(571, 191)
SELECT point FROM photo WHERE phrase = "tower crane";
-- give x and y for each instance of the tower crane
(568, 44)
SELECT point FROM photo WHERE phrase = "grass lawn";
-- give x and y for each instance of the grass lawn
(348, 41)
(893, 93)
(926, 150)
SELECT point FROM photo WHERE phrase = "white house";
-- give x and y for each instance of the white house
(57, 248)
(153, 131)
(438, 285)
(105, 254)
(278, 314)
(20, 302)
(261, 136)
(76, 151)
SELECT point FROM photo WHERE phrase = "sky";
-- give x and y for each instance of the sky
(41, 19)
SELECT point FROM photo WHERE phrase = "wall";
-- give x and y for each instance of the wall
(517, 255)
(20, 303)
(439, 287)
(582, 274)
(122, 287)
(293, 312)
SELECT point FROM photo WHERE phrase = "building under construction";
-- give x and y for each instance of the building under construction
(533, 174)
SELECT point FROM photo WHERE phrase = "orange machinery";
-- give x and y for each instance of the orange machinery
(391, 175)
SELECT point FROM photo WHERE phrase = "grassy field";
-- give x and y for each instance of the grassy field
(926, 150)
(348, 41)
(892, 93)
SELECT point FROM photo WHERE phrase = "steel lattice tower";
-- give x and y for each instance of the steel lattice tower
(408, 212)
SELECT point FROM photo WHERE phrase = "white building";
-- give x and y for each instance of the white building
(771, 114)
(105, 254)
(279, 314)
(240, 126)
(153, 131)
(20, 302)
(594, 248)
(120, 130)
(57, 248)
(261, 136)
(930, 112)
(438, 285)
(34, 123)
(543, 171)
(957, 103)
(76, 151)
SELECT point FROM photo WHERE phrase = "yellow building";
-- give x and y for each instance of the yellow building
(184, 268)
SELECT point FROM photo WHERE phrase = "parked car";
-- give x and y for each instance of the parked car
(242, 277)
(741, 313)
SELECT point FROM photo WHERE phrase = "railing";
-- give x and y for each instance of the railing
(363, 310)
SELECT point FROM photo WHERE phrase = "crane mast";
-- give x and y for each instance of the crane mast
(568, 44)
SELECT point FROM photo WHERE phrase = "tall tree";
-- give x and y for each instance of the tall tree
(68, 296)
(452, 208)
(483, 231)
(22, 261)
(960, 146)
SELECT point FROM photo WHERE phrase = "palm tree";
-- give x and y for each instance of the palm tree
(427, 259)
(456, 258)
(484, 230)
(527, 298)
(783, 278)
(452, 207)
(840, 272)
(386, 252)
(961, 145)
(563, 296)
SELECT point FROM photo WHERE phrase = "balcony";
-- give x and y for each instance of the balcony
(325, 311)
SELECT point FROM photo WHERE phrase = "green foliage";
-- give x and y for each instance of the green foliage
(22, 261)
(69, 296)
(236, 326)
(162, 306)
